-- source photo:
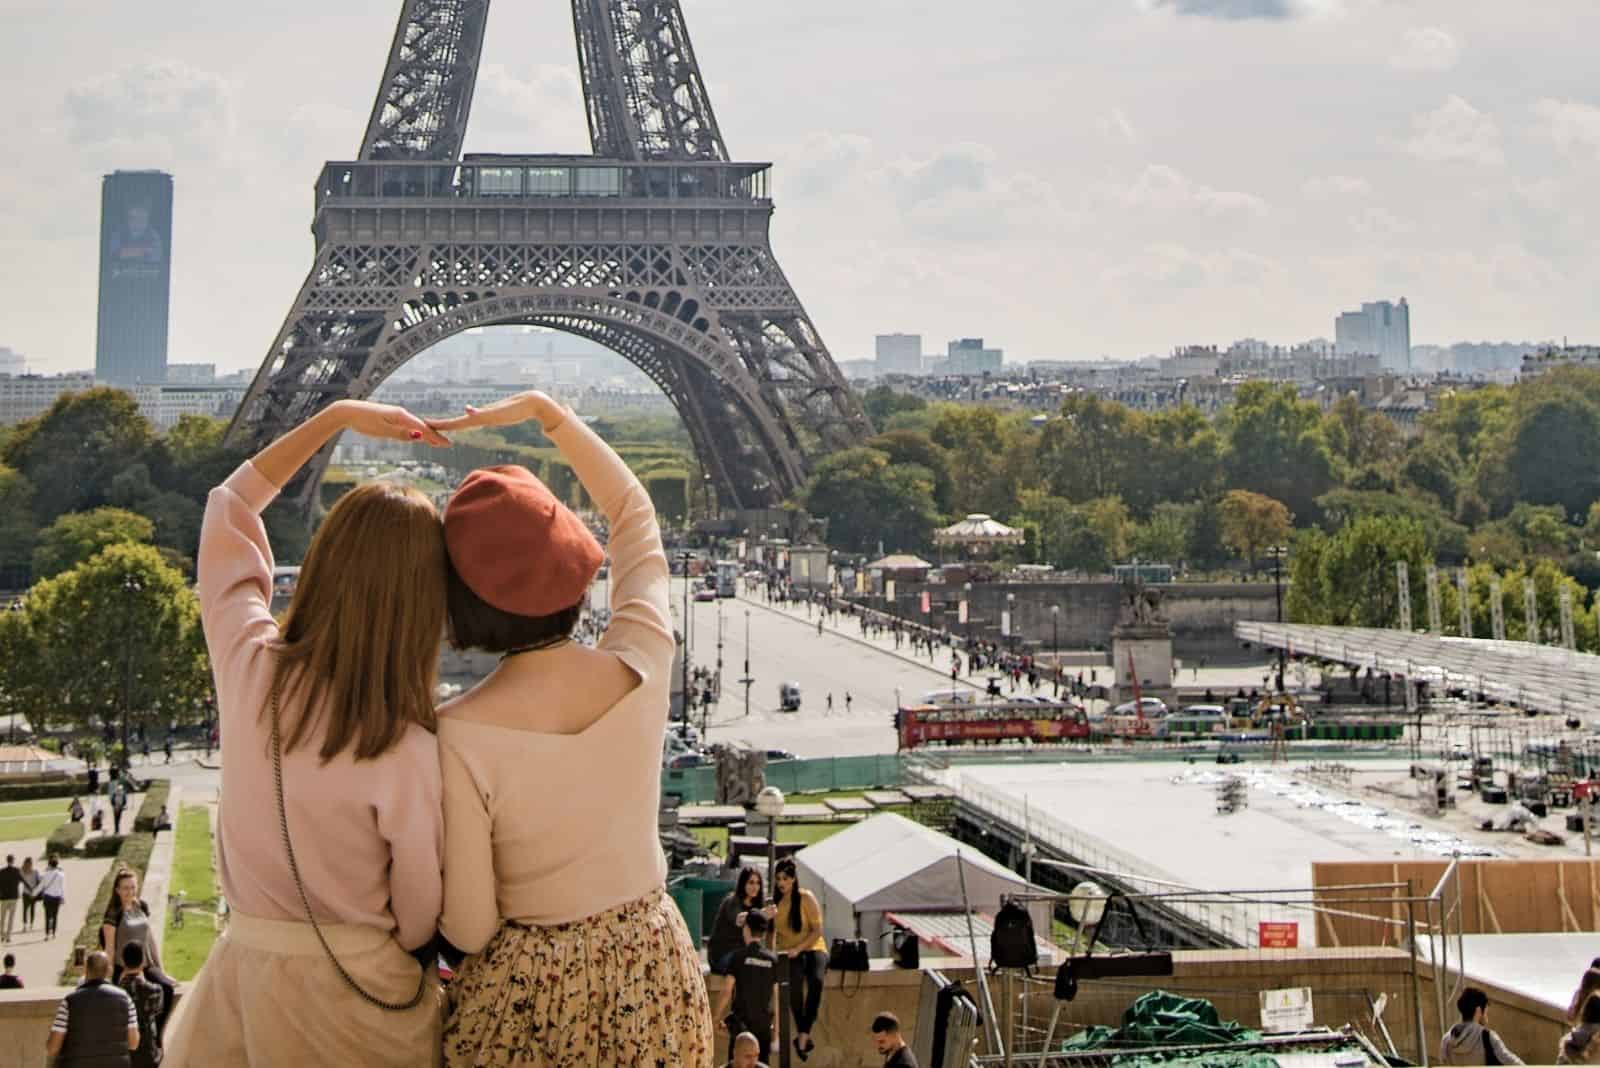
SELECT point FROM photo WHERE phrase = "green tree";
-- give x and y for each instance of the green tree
(1357, 584)
(916, 448)
(1434, 467)
(1085, 452)
(1359, 438)
(1109, 519)
(882, 404)
(77, 536)
(18, 533)
(71, 453)
(1552, 453)
(1447, 538)
(1164, 537)
(115, 632)
(1251, 522)
(981, 444)
(867, 500)
(1274, 447)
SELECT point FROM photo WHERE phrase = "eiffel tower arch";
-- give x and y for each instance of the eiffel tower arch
(656, 246)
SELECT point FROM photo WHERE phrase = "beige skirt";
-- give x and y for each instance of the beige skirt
(268, 997)
(621, 989)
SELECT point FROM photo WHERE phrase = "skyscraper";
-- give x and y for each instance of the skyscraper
(1381, 329)
(899, 354)
(135, 277)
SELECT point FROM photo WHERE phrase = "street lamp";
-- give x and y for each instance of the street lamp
(1055, 645)
(1011, 621)
(1278, 552)
(747, 680)
(132, 587)
(686, 557)
(769, 806)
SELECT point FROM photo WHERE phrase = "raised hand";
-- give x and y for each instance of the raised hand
(533, 404)
(374, 420)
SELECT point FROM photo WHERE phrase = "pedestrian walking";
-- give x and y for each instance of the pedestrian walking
(96, 1024)
(331, 830)
(52, 891)
(890, 1043)
(10, 895)
(847, 701)
(149, 1002)
(580, 925)
(119, 803)
(30, 892)
(830, 701)
(1471, 1041)
(749, 1000)
(166, 747)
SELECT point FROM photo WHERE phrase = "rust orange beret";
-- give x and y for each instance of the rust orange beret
(516, 546)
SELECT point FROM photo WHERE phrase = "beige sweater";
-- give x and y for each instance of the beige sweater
(548, 828)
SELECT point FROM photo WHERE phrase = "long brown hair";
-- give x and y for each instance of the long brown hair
(1587, 986)
(786, 866)
(360, 644)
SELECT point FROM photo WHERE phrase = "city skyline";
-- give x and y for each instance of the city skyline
(1116, 187)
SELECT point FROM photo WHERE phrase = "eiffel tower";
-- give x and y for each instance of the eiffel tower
(655, 246)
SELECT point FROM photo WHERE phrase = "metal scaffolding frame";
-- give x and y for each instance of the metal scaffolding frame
(1544, 678)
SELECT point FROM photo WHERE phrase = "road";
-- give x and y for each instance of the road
(785, 646)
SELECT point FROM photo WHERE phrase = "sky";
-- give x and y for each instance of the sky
(1069, 179)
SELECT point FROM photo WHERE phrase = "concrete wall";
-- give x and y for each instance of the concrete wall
(1202, 614)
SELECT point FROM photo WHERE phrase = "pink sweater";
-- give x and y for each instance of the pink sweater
(550, 828)
(367, 835)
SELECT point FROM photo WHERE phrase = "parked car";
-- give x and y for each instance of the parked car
(705, 593)
(780, 754)
(1150, 706)
(694, 759)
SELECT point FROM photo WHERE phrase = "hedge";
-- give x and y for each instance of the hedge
(155, 799)
(134, 854)
(39, 791)
(64, 839)
(106, 845)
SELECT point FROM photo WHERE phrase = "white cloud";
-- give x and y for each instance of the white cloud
(1571, 125)
(1332, 186)
(959, 195)
(1161, 188)
(541, 106)
(1239, 10)
(1116, 126)
(1172, 266)
(1456, 132)
(164, 112)
(1428, 48)
(820, 162)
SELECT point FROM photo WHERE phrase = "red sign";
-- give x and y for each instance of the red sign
(925, 605)
(1280, 935)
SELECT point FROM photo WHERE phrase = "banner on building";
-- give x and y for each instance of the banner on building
(1005, 622)
(961, 612)
(888, 590)
(927, 606)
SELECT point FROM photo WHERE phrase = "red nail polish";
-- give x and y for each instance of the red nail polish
(415, 434)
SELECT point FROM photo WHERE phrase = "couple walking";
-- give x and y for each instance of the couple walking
(517, 823)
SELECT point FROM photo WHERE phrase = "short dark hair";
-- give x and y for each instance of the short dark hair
(1591, 1010)
(10, 961)
(756, 921)
(133, 955)
(477, 624)
(1471, 1000)
(886, 1023)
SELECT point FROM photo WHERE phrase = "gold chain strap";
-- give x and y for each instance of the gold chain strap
(305, 902)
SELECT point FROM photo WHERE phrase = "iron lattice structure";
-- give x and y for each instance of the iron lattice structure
(656, 246)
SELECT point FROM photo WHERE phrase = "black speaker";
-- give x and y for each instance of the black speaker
(907, 952)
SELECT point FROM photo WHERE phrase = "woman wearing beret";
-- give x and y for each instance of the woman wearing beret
(554, 875)
(330, 827)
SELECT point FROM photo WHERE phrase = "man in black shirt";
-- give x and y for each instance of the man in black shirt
(751, 989)
(10, 894)
(887, 1040)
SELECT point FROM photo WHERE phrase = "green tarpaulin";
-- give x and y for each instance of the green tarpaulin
(1160, 1018)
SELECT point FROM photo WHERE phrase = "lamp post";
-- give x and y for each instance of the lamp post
(686, 557)
(1278, 552)
(769, 806)
(966, 603)
(1055, 646)
(747, 680)
(1011, 622)
(132, 587)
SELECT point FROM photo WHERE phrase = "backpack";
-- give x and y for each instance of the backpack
(1011, 943)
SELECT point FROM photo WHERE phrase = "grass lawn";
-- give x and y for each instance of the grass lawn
(186, 948)
(22, 821)
(716, 838)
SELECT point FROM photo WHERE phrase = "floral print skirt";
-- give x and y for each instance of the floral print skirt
(621, 989)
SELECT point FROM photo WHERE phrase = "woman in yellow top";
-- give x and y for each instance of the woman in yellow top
(798, 933)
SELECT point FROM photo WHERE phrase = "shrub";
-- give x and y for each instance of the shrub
(38, 791)
(64, 839)
(155, 799)
(107, 845)
(134, 854)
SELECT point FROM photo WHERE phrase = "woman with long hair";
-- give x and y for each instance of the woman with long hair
(554, 875)
(1587, 986)
(798, 933)
(727, 936)
(127, 919)
(330, 828)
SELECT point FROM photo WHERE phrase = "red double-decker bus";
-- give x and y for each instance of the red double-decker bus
(961, 724)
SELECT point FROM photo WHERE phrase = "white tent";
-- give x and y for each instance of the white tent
(888, 863)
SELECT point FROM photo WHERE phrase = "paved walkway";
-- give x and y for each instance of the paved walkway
(39, 962)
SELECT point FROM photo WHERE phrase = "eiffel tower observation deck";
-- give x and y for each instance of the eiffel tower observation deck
(656, 246)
